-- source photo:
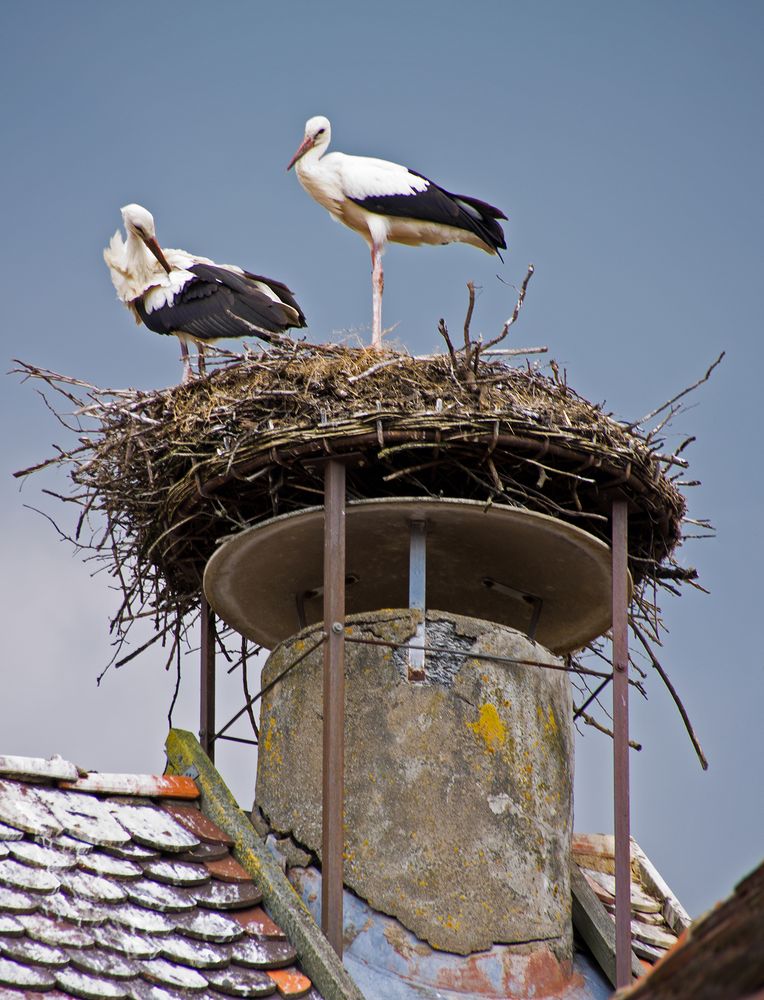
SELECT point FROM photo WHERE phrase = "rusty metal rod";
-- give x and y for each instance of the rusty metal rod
(273, 683)
(207, 679)
(595, 693)
(621, 744)
(239, 739)
(479, 656)
(332, 840)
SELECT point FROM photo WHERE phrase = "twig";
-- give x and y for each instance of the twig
(670, 402)
(480, 348)
(245, 684)
(468, 320)
(177, 685)
(375, 368)
(443, 331)
(514, 352)
(672, 691)
(603, 729)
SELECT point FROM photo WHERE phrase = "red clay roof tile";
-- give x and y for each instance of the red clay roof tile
(148, 785)
(228, 869)
(290, 982)
(195, 821)
(256, 921)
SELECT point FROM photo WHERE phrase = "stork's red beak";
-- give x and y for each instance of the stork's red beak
(307, 143)
(155, 248)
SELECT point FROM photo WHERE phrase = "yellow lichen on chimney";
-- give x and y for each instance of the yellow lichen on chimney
(489, 727)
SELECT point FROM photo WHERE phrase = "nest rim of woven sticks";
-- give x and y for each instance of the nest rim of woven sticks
(177, 468)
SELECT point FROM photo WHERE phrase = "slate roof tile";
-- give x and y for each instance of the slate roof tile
(177, 948)
(112, 889)
(22, 809)
(207, 926)
(22, 949)
(205, 852)
(257, 953)
(79, 911)
(51, 930)
(38, 856)
(9, 926)
(10, 833)
(179, 873)
(164, 898)
(109, 866)
(15, 875)
(152, 827)
(89, 987)
(227, 895)
(134, 852)
(83, 817)
(25, 976)
(243, 983)
(16, 901)
(103, 962)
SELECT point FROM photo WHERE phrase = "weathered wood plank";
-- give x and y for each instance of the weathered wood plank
(595, 925)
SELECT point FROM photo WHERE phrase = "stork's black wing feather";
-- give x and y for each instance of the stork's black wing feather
(435, 204)
(219, 303)
(284, 293)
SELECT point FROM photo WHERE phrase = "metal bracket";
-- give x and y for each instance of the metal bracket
(536, 603)
(308, 595)
(418, 595)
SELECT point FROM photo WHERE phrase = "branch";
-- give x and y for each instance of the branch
(468, 320)
(513, 318)
(603, 729)
(670, 402)
(672, 691)
(443, 331)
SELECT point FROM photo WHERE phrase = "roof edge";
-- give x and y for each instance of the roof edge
(186, 757)
(596, 926)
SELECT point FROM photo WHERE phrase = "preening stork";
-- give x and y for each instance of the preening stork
(385, 202)
(175, 292)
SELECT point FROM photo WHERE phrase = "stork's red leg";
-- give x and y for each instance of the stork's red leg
(187, 372)
(377, 286)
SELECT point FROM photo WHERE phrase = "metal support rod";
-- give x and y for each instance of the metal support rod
(621, 744)
(207, 680)
(334, 704)
(417, 594)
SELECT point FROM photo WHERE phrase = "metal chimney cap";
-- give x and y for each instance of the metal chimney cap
(491, 562)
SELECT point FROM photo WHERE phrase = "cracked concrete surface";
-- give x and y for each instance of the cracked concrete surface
(458, 789)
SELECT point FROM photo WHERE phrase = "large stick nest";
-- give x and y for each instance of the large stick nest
(174, 470)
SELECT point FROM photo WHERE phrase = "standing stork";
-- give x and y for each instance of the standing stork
(386, 202)
(175, 292)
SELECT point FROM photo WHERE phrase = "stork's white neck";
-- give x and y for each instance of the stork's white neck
(309, 161)
(139, 259)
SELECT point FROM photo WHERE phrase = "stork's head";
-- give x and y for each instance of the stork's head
(140, 222)
(318, 134)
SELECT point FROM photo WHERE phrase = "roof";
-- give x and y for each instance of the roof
(118, 886)
(658, 918)
(719, 958)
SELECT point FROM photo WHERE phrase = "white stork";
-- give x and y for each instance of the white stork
(385, 202)
(174, 292)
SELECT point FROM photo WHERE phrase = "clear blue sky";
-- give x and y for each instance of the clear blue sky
(625, 143)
